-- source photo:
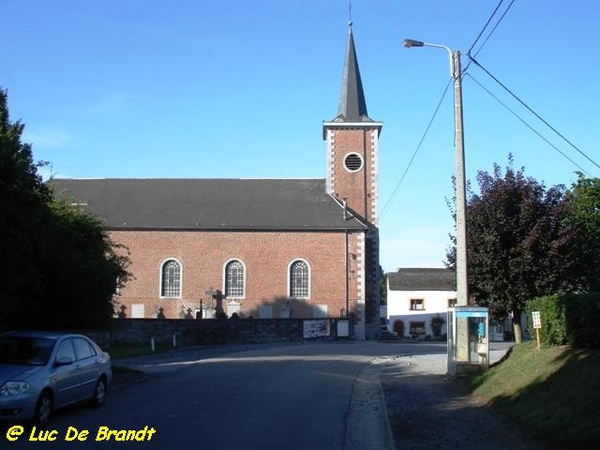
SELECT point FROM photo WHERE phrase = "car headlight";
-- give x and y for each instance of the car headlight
(14, 388)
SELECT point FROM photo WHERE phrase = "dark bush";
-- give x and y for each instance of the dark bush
(570, 319)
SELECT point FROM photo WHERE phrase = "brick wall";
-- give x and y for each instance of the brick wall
(359, 188)
(266, 257)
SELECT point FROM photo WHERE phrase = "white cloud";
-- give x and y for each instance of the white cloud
(47, 138)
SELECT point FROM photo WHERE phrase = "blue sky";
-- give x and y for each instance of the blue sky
(240, 89)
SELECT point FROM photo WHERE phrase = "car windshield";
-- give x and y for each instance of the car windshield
(22, 350)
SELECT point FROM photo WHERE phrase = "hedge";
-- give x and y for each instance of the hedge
(567, 319)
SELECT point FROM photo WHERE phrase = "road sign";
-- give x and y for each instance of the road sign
(537, 324)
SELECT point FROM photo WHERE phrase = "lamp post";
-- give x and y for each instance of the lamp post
(462, 298)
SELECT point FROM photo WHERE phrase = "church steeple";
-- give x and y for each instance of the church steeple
(352, 141)
(352, 106)
(352, 152)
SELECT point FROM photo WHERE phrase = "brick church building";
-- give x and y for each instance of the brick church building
(261, 248)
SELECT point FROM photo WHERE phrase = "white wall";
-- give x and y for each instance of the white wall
(435, 304)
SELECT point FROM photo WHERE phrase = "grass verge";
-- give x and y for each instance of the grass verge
(127, 350)
(554, 393)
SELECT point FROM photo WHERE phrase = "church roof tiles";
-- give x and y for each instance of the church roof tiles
(208, 204)
(352, 105)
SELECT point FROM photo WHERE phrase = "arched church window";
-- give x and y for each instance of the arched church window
(234, 279)
(170, 283)
(299, 279)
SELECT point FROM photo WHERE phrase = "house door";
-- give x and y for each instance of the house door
(399, 328)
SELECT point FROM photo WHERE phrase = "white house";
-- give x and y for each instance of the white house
(417, 298)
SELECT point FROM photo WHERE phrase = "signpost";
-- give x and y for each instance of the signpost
(537, 325)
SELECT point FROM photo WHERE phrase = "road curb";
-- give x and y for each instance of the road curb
(368, 427)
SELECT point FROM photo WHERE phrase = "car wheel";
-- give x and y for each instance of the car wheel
(99, 395)
(43, 409)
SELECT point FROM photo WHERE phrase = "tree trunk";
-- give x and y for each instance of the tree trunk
(517, 326)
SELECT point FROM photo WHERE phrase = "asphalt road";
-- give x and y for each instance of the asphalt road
(294, 396)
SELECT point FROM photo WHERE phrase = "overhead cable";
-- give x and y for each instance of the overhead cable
(532, 111)
(485, 26)
(526, 124)
(395, 191)
(493, 29)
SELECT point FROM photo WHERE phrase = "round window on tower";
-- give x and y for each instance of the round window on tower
(353, 162)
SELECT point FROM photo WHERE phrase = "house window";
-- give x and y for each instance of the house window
(170, 284)
(234, 279)
(451, 303)
(299, 279)
(417, 329)
(417, 304)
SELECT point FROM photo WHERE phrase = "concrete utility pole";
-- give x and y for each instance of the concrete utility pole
(462, 289)
(462, 295)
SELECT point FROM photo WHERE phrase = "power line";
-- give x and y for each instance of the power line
(484, 27)
(526, 124)
(397, 187)
(533, 112)
(472, 59)
(493, 29)
(490, 33)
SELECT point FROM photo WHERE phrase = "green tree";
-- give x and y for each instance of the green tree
(23, 200)
(58, 268)
(517, 245)
(584, 218)
(81, 269)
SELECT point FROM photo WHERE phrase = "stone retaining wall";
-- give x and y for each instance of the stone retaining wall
(191, 332)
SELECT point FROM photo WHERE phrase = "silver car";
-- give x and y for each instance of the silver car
(43, 371)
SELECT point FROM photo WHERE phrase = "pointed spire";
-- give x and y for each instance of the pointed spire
(352, 106)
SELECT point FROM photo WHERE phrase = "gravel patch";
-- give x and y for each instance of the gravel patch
(427, 409)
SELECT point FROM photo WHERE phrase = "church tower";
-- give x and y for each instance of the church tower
(352, 141)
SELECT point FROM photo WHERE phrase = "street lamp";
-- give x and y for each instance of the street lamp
(462, 298)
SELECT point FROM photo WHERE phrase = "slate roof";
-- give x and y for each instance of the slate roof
(422, 279)
(352, 106)
(208, 204)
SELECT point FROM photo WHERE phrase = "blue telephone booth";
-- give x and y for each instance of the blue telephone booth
(468, 339)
